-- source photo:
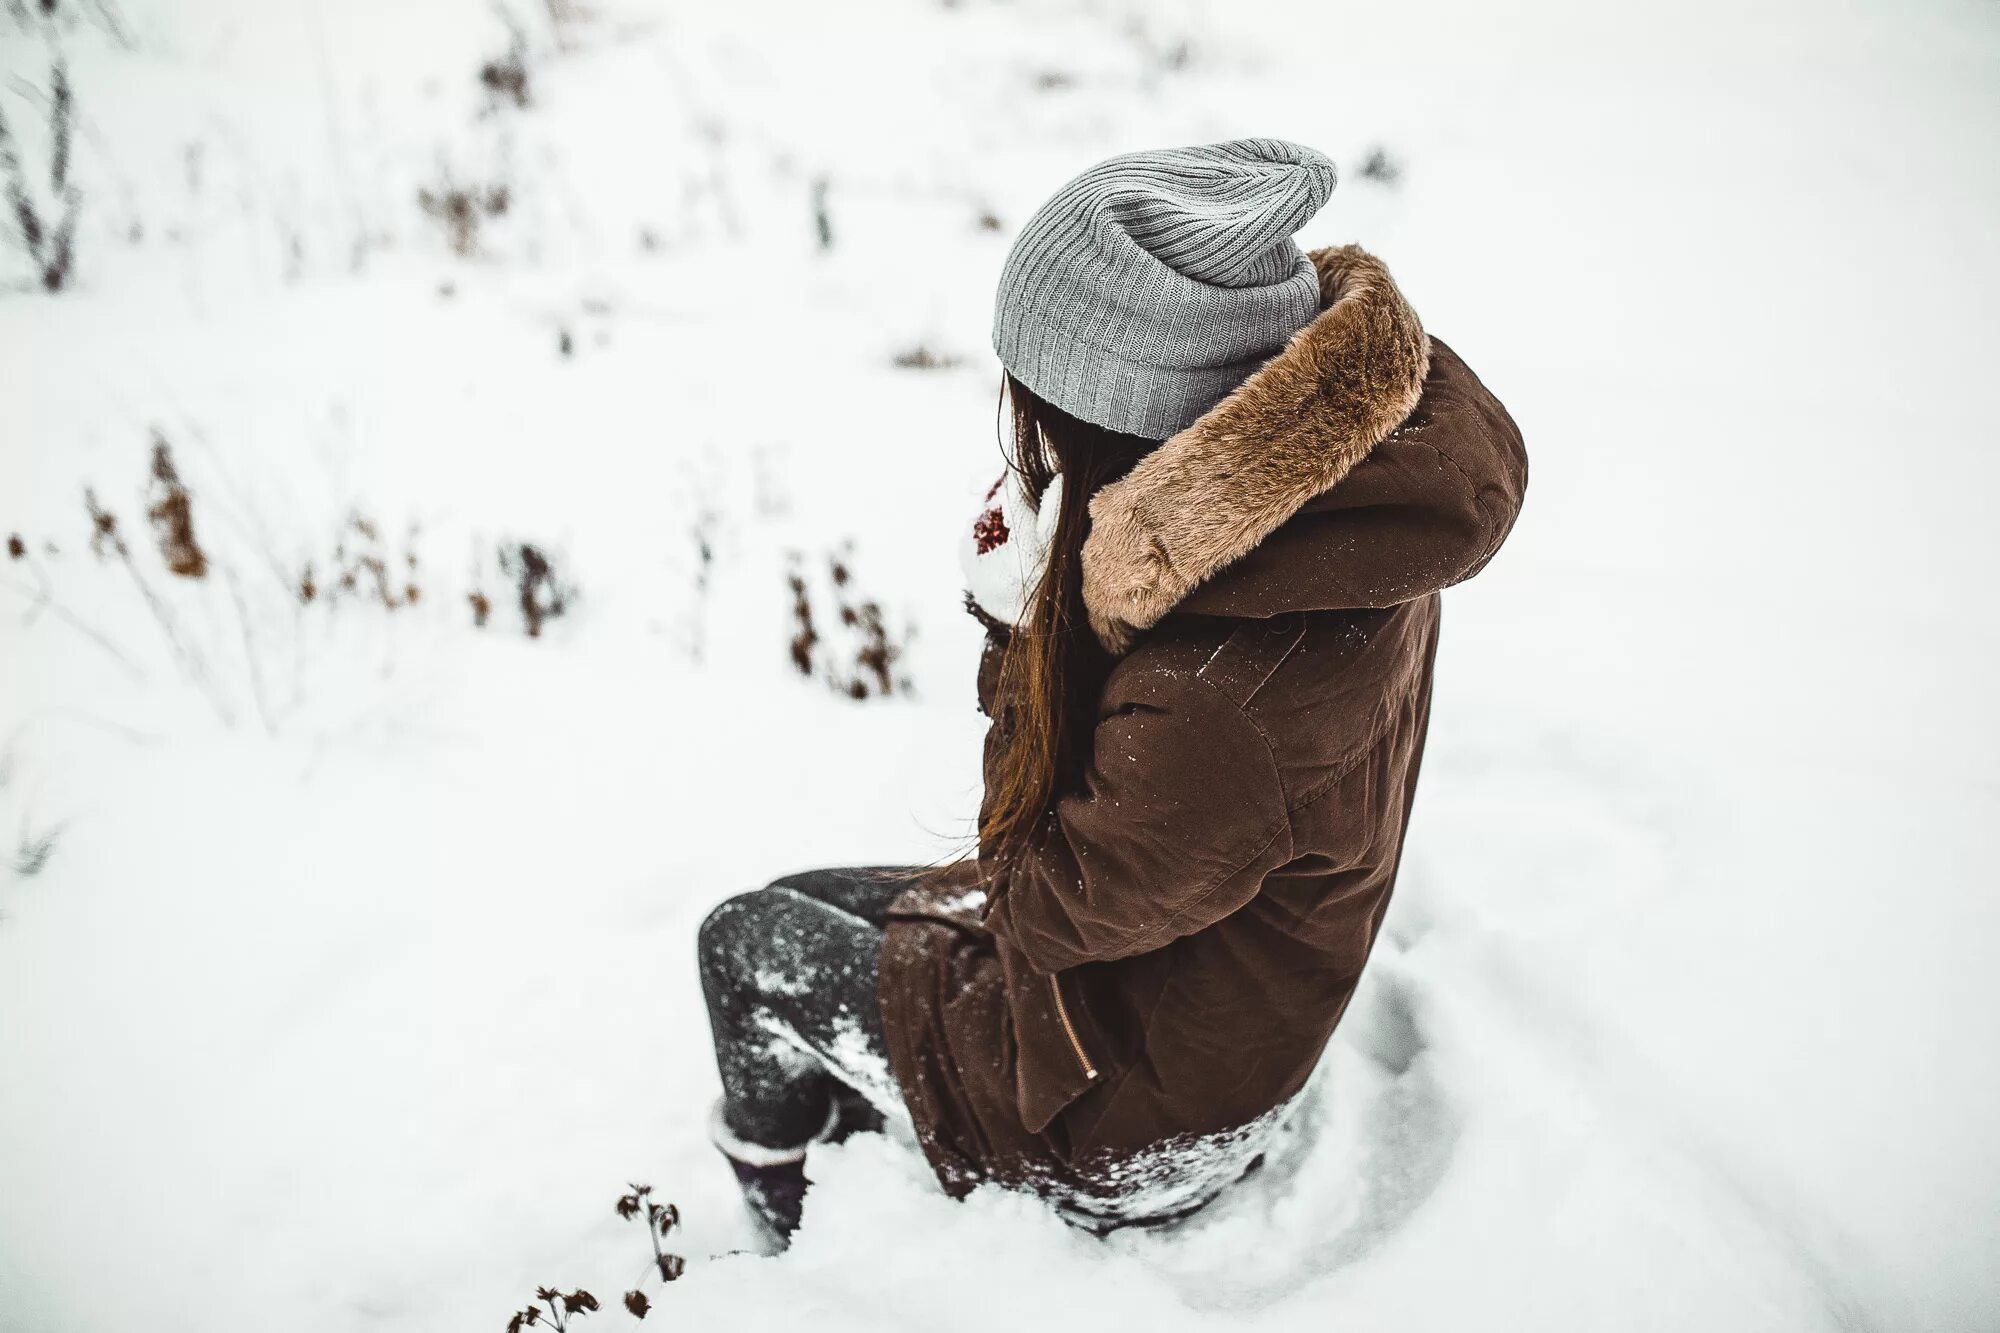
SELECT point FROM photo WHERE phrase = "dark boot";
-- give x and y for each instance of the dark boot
(776, 1195)
(773, 1180)
(857, 1116)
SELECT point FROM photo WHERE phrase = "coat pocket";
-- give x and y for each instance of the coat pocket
(1069, 1029)
(1054, 1063)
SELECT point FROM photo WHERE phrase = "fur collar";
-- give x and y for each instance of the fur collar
(1290, 432)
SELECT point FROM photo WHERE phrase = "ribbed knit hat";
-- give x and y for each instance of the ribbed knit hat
(1155, 282)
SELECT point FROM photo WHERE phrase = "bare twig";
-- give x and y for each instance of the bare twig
(505, 77)
(172, 514)
(43, 599)
(114, 23)
(460, 208)
(705, 525)
(50, 243)
(105, 525)
(236, 509)
(105, 724)
(660, 1219)
(257, 692)
(542, 594)
(863, 663)
(32, 856)
(561, 1305)
(708, 128)
(562, 13)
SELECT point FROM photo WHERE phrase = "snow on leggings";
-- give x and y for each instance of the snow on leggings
(789, 971)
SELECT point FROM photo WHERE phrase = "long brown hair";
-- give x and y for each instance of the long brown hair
(1053, 668)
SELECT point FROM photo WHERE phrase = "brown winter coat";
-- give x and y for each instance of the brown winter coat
(1171, 958)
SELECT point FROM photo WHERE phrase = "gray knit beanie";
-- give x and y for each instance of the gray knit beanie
(1154, 283)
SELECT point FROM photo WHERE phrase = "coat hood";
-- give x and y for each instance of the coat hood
(1363, 466)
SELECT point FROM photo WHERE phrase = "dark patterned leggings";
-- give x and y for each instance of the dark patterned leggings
(789, 971)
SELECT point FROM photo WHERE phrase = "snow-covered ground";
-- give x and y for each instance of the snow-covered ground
(345, 965)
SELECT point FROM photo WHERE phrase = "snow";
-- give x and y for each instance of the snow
(356, 976)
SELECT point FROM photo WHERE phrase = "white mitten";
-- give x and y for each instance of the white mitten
(1007, 547)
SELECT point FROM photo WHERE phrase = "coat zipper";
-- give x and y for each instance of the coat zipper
(1069, 1029)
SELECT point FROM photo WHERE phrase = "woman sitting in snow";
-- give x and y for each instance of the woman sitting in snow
(1240, 475)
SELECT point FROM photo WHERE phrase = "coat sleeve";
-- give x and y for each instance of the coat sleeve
(1180, 816)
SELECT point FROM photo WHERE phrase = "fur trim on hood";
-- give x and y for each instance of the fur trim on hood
(1295, 428)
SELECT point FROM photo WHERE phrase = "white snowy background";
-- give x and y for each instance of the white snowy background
(345, 950)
